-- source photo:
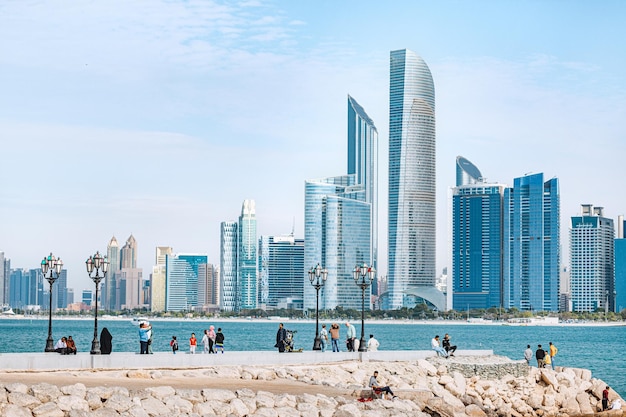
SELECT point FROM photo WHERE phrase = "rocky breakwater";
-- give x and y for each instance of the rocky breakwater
(456, 387)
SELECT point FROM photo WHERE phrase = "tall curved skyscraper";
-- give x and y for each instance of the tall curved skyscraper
(412, 262)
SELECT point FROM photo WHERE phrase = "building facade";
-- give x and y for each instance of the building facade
(229, 232)
(281, 272)
(181, 279)
(620, 267)
(109, 293)
(532, 245)
(247, 257)
(592, 257)
(158, 278)
(412, 193)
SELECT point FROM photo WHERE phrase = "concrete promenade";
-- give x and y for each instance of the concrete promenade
(182, 360)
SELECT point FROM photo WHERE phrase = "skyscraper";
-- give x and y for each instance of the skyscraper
(412, 207)
(4, 278)
(620, 266)
(591, 260)
(532, 244)
(247, 257)
(228, 265)
(109, 301)
(182, 281)
(157, 284)
(281, 271)
(477, 239)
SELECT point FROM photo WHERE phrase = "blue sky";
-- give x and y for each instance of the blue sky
(158, 118)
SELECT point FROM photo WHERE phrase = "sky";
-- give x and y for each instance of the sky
(158, 118)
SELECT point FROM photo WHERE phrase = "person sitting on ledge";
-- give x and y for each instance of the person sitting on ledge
(61, 346)
(450, 348)
(434, 344)
(71, 346)
(379, 389)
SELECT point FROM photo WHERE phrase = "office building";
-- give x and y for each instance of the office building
(228, 266)
(157, 281)
(207, 284)
(87, 297)
(532, 245)
(477, 240)
(181, 279)
(592, 257)
(247, 285)
(5, 268)
(109, 292)
(412, 193)
(281, 272)
(620, 266)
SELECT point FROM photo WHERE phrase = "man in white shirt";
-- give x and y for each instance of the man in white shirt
(528, 354)
(372, 344)
(61, 346)
(434, 344)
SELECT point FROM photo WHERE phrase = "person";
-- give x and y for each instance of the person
(528, 354)
(334, 337)
(281, 338)
(350, 337)
(219, 340)
(434, 344)
(547, 363)
(372, 344)
(174, 344)
(323, 337)
(105, 342)
(205, 341)
(617, 405)
(192, 343)
(553, 351)
(61, 346)
(211, 339)
(150, 334)
(71, 346)
(540, 354)
(605, 398)
(447, 346)
(144, 335)
(379, 388)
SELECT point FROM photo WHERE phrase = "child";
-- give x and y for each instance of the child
(174, 344)
(192, 343)
(219, 340)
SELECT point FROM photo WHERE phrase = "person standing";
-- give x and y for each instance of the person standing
(219, 340)
(605, 398)
(528, 354)
(150, 336)
(211, 339)
(449, 348)
(174, 344)
(281, 338)
(205, 342)
(372, 344)
(193, 342)
(144, 336)
(323, 337)
(106, 345)
(540, 354)
(434, 344)
(334, 337)
(553, 351)
(350, 337)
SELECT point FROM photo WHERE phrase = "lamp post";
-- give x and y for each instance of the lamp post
(97, 267)
(363, 276)
(51, 264)
(317, 276)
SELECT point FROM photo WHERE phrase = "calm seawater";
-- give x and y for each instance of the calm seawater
(601, 349)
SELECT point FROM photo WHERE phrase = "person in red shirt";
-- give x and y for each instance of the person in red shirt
(605, 398)
(192, 343)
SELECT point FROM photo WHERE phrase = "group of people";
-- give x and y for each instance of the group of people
(352, 343)
(445, 349)
(545, 358)
(212, 342)
(65, 346)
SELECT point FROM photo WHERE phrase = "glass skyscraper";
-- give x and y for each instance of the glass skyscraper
(228, 266)
(247, 257)
(477, 240)
(532, 245)
(281, 271)
(412, 205)
(592, 259)
(109, 293)
(181, 273)
(620, 266)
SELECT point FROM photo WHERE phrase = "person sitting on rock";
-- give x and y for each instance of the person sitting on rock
(379, 389)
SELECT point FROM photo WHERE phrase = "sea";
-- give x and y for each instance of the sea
(599, 348)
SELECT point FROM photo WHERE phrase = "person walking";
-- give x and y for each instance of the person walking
(434, 344)
(449, 348)
(193, 342)
(528, 354)
(334, 337)
(323, 337)
(174, 344)
(205, 342)
(372, 344)
(552, 352)
(211, 339)
(281, 338)
(219, 340)
(540, 354)
(350, 337)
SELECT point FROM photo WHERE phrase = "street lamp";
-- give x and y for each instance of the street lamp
(317, 276)
(363, 276)
(51, 264)
(95, 265)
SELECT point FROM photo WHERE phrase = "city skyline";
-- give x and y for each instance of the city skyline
(128, 120)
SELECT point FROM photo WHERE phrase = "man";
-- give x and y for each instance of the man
(377, 388)
(552, 353)
(447, 346)
(281, 338)
(372, 344)
(540, 354)
(61, 346)
(434, 344)
(71, 346)
(350, 337)
(528, 354)
(605, 398)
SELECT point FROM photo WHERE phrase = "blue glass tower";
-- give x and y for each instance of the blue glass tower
(532, 255)
(247, 257)
(412, 205)
(181, 277)
(228, 266)
(620, 267)
(281, 271)
(477, 240)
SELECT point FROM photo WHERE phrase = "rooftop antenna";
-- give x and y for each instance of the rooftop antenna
(293, 226)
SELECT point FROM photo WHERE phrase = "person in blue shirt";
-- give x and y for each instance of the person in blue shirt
(350, 337)
(144, 336)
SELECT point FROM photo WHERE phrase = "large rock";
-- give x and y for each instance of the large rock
(16, 411)
(22, 400)
(45, 392)
(161, 393)
(17, 387)
(49, 409)
(548, 376)
(118, 402)
(72, 402)
(427, 366)
(570, 406)
(222, 395)
(583, 402)
(473, 410)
